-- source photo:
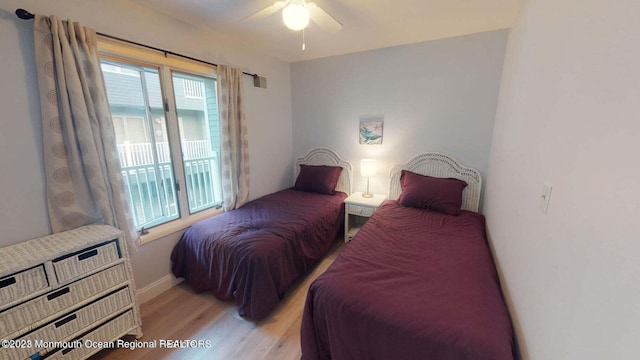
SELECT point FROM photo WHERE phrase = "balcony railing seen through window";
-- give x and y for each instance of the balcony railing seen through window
(201, 173)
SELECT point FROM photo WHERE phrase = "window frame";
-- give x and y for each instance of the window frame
(113, 50)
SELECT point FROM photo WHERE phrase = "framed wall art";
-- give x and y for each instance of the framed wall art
(371, 130)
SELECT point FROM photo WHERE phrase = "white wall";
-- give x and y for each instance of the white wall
(568, 115)
(434, 96)
(23, 206)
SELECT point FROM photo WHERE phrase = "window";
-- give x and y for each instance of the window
(200, 141)
(168, 138)
(131, 128)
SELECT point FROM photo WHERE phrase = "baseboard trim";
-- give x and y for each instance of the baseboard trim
(156, 288)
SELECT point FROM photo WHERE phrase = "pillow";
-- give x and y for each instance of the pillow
(426, 192)
(319, 178)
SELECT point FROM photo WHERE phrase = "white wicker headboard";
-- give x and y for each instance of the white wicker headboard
(442, 166)
(323, 156)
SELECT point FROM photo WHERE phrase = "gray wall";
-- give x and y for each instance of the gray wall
(434, 96)
(568, 115)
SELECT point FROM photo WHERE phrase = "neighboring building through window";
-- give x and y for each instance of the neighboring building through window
(193, 89)
(163, 152)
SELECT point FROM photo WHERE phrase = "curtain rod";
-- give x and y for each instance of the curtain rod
(25, 15)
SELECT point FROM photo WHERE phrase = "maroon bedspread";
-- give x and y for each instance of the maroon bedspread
(253, 254)
(412, 284)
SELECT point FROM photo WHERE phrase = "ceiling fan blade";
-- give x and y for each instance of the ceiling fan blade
(323, 19)
(269, 10)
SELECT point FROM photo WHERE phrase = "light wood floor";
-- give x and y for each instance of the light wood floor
(181, 314)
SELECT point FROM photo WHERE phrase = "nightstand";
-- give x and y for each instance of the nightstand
(357, 209)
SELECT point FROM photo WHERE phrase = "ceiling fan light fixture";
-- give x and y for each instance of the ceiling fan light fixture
(295, 16)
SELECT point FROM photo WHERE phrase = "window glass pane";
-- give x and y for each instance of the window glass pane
(197, 111)
(135, 99)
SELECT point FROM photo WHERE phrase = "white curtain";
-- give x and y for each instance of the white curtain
(235, 146)
(83, 179)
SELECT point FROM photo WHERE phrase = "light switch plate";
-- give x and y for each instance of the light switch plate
(545, 197)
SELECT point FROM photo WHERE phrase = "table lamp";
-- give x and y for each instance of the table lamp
(368, 169)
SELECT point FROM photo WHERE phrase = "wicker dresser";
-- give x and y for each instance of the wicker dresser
(66, 295)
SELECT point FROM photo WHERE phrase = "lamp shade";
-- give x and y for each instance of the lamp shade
(295, 16)
(368, 167)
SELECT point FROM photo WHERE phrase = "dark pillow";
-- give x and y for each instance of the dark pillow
(426, 192)
(318, 178)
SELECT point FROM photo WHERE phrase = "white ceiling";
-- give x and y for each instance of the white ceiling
(367, 24)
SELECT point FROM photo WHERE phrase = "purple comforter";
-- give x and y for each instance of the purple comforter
(412, 284)
(253, 254)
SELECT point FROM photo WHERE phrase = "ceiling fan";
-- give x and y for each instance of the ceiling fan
(296, 15)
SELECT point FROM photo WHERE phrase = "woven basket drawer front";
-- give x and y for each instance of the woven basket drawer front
(109, 332)
(81, 320)
(67, 297)
(85, 261)
(20, 285)
(359, 210)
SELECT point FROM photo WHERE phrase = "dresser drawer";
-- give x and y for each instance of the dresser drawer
(110, 331)
(69, 325)
(40, 308)
(360, 210)
(84, 261)
(20, 285)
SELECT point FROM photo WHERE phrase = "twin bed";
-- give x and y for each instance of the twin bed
(253, 254)
(416, 282)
